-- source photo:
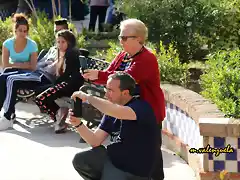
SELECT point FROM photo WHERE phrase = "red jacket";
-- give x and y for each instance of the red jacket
(144, 69)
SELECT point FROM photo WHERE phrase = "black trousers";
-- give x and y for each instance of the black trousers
(158, 173)
(94, 164)
(46, 99)
(100, 12)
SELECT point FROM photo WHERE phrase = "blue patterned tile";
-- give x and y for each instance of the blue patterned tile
(168, 114)
(171, 106)
(238, 166)
(238, 143)
(210, 156)
(219, 142)
(218, 165)
(177, 108)
(232, 156)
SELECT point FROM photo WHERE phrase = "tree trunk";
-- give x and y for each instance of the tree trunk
(59, 8)
(54, 9)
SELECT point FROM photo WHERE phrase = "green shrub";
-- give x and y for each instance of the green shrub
(81, 39)
(221, 81)
(110, 53)
(171, 69)
(196, 26)
(5, 31)
(42, 31)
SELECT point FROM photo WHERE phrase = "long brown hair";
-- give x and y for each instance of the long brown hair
(71, 41)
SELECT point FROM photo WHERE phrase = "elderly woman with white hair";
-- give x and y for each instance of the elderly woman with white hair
(142, 65)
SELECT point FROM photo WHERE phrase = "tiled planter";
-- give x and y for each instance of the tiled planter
(194, 122)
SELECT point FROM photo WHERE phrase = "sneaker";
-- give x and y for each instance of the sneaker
(5, 123)
(81, 140)
(13, 117)
(60, 128)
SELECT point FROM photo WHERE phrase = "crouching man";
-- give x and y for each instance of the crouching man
(133, 132)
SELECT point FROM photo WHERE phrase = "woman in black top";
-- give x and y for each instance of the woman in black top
(68, 80)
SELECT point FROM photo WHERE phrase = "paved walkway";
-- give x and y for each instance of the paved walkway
(33, 152)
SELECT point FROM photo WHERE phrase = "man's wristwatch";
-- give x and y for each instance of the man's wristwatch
(77, 126)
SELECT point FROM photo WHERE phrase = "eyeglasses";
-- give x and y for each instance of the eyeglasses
(125, 38)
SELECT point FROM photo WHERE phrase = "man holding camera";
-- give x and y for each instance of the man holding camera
(133, 132)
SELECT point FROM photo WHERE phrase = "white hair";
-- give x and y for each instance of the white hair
(137, 26)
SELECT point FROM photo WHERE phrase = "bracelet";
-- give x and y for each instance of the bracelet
(81, 123)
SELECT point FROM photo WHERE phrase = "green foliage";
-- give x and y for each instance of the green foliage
(221, 81)
(110, 53)
(172, 70)
(5, 31)
(196, 26)
(81, 39)
(42, 32)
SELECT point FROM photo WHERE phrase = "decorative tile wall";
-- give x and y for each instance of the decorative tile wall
(181, 125)
(227, 161)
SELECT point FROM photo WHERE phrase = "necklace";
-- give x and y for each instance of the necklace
(128, 57)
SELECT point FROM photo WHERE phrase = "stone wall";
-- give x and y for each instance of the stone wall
(194, 122)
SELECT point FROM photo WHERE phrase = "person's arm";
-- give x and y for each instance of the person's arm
(107, 107)
(111, 109)
(103, 75)
(27, 65)
(100, 77)
(139, 70)
(5, 57)
(32, 63)
(43, 61)
(95, 138)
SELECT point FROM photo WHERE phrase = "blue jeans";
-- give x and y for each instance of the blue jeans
(110, 12)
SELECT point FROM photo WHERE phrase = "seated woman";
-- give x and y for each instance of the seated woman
(69, 79)
(19, 56)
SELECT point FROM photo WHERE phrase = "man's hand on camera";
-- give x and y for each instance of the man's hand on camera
(81, 95)
(90, 74)
(74, 121)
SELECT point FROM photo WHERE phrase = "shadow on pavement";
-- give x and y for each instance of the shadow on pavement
(46, 136)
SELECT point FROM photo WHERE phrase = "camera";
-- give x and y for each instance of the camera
(76, 106)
